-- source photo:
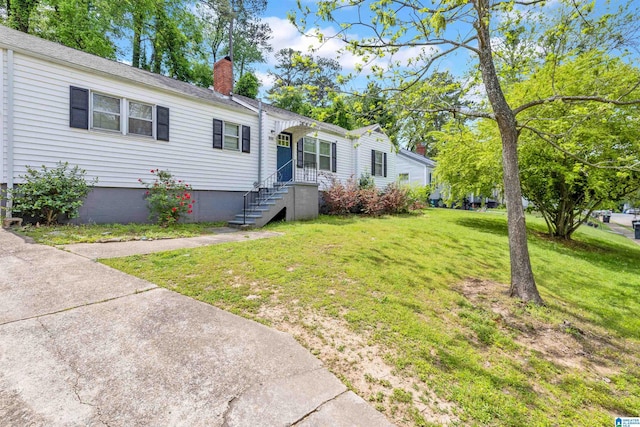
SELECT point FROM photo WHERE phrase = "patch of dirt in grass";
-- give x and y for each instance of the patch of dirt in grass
(361, 364)
(570, 344)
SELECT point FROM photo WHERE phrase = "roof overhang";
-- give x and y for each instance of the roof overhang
(294, 126)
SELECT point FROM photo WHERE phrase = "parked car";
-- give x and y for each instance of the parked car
(632, 211)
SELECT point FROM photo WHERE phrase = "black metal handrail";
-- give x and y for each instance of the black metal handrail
(268, 186)
(307, 173)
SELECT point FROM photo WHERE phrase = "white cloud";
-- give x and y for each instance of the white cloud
(266, 80)
(285, 35)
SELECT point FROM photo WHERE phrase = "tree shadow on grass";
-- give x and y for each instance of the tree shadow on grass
(497, 225)
(606, 254)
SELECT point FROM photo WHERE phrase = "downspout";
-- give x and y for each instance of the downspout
(10, 104)
(260, 141)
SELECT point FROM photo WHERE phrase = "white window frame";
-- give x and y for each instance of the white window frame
(401, 177)
(284, 140)
(124, 115)
(306, 140)
(152, 120)
(320, 155)
(94, 110)
(238, 137)
(316, 153)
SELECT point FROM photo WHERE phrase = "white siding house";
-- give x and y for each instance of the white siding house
(374, 155)
(117, 122)
(415, 169)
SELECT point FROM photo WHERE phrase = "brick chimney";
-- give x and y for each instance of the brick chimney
(421, 149)
(223, 76)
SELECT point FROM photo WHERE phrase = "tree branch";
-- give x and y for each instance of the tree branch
(567, 98)
(454, 111)
(546, 137)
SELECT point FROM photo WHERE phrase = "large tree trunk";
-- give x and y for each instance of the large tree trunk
(137, 37)
(523, 285)
(19, 12)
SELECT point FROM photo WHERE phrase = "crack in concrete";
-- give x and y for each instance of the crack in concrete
(76, 386)
(307, 415)
(231, 402)
(38, 316)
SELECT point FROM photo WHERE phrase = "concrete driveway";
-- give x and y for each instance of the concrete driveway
(623, 219)
(83, 344)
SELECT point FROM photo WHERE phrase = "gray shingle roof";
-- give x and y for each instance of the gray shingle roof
(28, 44)
(417, 157)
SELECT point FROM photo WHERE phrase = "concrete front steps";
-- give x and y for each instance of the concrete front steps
(267, 205)
(290, 202)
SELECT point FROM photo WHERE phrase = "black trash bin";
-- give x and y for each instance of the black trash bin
(636, 228)
(606, 218)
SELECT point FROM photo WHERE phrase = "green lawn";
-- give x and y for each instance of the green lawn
(66, 234)
(411, 313)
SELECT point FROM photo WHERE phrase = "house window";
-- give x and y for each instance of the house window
(378, 166)
(309, 151)
(325, 156)
(403, 177)
(231, 136)
(284, 140)
(106, 112)
(140, 119)
(91, 110)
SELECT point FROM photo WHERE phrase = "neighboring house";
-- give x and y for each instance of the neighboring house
(416, 169)
(118, 122)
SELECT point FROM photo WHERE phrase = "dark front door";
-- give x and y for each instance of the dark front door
(285, 165)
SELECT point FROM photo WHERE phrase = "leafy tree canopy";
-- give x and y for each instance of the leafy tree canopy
(574, 157)
(248, 85)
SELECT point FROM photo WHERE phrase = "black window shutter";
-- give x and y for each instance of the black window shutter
(246, 139)
(217, 133)
(162, 125)
(79, 107)
(373, 162)
(384, 164)
(334, 157)
(300, 153)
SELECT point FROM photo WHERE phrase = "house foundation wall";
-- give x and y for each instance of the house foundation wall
(128, 205)
(305, 202)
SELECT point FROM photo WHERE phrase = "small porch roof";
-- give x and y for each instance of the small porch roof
(294, 126)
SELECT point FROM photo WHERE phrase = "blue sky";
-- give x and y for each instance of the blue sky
(286, 35)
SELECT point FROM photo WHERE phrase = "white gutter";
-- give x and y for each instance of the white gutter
(260, 142)
(9, 129)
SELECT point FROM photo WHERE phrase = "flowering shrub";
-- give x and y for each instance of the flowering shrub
(395, 198)
(339, 198)
(168, 199)
(362, 197)
(370, 201)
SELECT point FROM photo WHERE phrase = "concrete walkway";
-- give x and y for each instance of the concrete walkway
(83, 344)
(139, 247)
(618, 229)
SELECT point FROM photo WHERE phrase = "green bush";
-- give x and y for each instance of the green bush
(47, 194)
(418, 196)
